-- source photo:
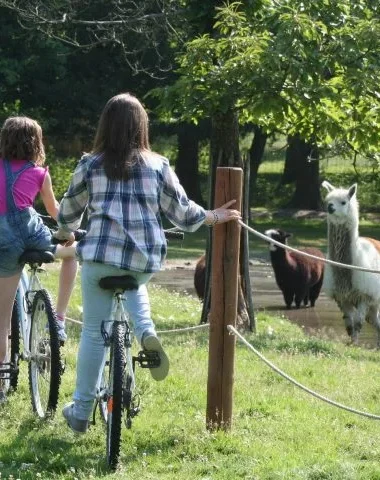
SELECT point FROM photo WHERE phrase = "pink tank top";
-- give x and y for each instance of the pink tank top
(27, 185)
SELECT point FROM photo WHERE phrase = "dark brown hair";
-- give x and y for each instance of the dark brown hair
(122, 135)
(21, 139)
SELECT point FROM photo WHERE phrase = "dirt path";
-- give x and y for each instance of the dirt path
(325, 319)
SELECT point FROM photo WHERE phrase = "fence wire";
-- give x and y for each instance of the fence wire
(305, 254)
(298, 384)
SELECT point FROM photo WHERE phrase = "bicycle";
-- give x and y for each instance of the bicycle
(34, 323)
(117, 391)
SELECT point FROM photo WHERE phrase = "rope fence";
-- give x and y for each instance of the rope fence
(305, 254)
(279, 244)
(161, 332)
(276, 369)
(297, 384)
(233, 331)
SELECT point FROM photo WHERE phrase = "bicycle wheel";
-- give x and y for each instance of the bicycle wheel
(14, 345)
(45, 362)
(103, 392)
(115, 396)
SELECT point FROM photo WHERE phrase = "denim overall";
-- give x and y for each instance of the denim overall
(19, 229)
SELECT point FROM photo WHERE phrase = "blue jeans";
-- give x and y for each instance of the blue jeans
(20, 231)
(97, 304)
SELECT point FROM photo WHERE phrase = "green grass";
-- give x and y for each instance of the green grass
(278, 431)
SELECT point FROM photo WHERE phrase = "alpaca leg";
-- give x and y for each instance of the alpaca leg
(349, 316)
(377, 325)
(299, 297)
(306, 299)
(288, 297)
(373, 317)
(315, 291)
(362, 311)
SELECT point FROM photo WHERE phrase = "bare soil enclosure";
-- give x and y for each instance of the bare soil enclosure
(324, 319)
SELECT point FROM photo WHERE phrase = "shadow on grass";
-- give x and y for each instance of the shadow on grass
(42, 448)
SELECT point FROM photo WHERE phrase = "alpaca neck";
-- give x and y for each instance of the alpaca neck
(278, 255)
(342, 240)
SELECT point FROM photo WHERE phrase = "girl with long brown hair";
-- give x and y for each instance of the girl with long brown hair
(125, 188)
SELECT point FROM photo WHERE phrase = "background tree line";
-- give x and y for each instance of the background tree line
(210, 70)
(305, 69)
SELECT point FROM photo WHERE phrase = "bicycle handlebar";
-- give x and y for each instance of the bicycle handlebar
(170, 234)
(174, 234)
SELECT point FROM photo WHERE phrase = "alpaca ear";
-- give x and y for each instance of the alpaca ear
(352, 190)
(287, 235)
(325, 184)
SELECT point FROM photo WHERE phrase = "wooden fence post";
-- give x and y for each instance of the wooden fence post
(224, 301)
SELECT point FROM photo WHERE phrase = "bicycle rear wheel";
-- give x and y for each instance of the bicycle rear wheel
(103, 389)
(115, 398)
(45, 362)
(14, 345)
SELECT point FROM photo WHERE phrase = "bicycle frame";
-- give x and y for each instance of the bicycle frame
(27, 287)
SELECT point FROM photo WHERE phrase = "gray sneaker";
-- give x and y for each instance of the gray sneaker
(151, 343)
(62, 335)
(76, 425)
(4, 387)
(3, 395)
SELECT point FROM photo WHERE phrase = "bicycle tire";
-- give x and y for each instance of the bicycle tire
(14, 345)
(115, 400)
(45, 362)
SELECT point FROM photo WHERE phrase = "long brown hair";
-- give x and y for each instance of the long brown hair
(21, 139)
(122, 135)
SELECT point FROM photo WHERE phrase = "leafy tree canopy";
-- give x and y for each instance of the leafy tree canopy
(301, 67)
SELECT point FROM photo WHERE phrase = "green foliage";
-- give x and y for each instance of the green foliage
(307, 68)
(61, 171)
(9, 110)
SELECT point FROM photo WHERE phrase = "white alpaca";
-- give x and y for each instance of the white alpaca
(357, 293)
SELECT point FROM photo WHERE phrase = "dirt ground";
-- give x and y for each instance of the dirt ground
(324, 319)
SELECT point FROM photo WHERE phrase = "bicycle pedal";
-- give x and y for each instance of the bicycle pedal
(148, 359)
(8, 370)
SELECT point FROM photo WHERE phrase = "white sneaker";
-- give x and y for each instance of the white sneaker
(151, 343)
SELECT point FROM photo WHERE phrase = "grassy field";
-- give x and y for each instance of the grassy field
(278, 431)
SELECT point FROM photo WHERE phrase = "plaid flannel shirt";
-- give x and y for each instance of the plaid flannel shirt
(124, 221)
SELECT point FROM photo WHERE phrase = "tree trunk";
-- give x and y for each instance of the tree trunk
(224, 150)
(187, 161)
(256, 153)
(302, 167)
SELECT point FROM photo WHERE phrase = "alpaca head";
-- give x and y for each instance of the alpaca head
(341, 205)
(279, 236)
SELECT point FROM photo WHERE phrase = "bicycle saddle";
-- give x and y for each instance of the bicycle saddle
(126, 282)
(36, 256)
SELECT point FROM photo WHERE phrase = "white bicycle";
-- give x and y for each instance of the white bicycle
(34, 326)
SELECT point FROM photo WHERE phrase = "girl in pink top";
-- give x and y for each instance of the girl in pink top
(22, 178)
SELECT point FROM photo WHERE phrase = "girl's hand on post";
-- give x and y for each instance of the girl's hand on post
(222, 214)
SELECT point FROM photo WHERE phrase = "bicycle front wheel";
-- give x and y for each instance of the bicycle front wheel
(45, 360)
(115, 397)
